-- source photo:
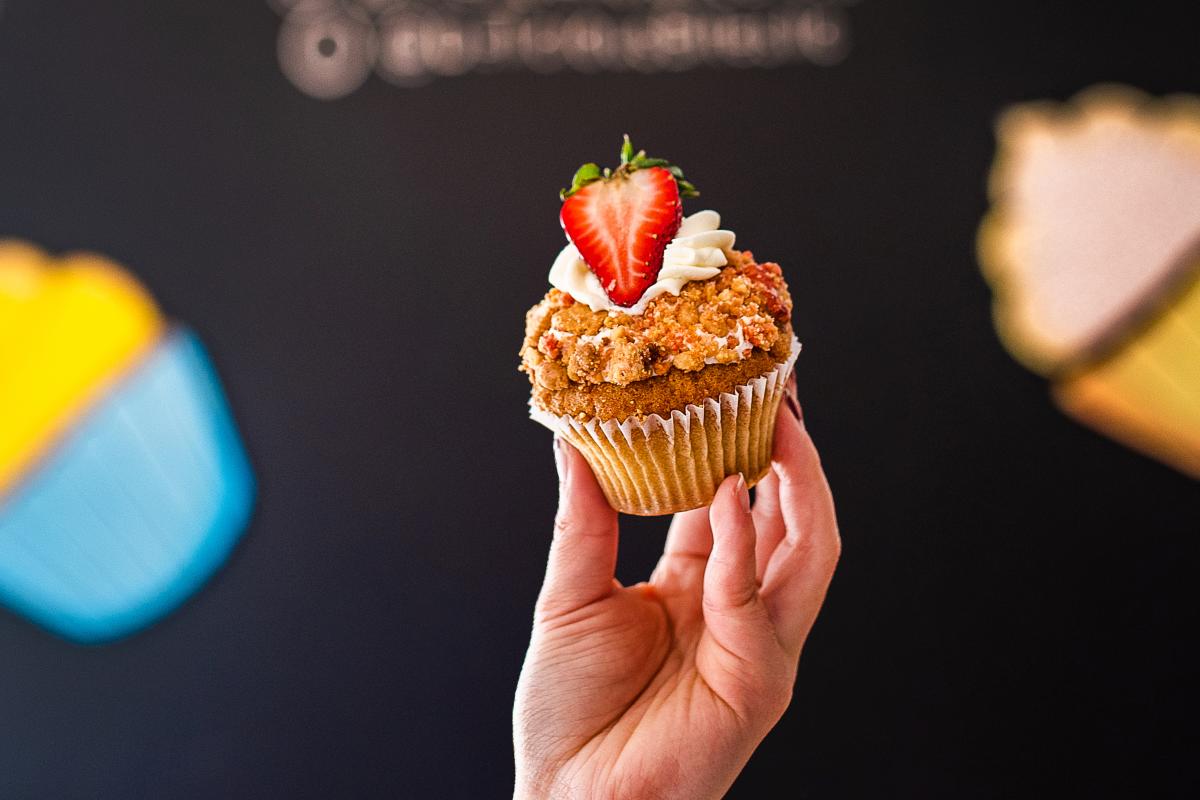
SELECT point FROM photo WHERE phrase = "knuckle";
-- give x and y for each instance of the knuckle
(777, 700)
(775, 691)
(568, 526)
(781, 696)
(730, 597)
(766, 697)
(835, 553)
(564, 526)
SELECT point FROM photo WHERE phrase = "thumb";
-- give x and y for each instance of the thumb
(583, 554)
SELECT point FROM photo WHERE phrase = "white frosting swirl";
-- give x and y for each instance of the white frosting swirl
(695, 254)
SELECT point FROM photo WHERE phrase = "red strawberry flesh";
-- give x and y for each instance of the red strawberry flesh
(621, 225)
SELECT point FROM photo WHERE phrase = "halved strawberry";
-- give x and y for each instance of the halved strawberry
(621, 220)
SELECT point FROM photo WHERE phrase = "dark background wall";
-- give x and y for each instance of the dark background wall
(1012, 612)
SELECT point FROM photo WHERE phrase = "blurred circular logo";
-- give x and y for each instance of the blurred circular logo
(327, 49)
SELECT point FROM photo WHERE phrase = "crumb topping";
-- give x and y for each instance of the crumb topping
(722, 320)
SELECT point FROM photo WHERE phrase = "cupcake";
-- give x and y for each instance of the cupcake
(1092, 248)
(123, 483)
(661, 352)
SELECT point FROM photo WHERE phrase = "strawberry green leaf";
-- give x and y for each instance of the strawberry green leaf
(626, 150)
(631, 161)
(583, 176)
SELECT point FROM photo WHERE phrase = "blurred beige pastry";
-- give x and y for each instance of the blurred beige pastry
(1092, 248)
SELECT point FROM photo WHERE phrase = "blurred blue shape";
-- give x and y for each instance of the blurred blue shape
(135, 508)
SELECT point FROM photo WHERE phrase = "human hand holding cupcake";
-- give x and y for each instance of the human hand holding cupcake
(666, 687)
(660, 358)
(661, 353)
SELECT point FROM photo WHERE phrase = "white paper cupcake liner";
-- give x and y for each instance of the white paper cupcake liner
(660, 465)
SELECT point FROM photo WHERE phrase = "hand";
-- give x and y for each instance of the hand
(664, 689)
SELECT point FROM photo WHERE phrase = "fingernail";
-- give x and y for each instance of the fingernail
(794, 406)
(560, 459)
(743, 494)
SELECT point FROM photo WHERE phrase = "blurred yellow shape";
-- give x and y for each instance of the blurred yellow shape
(68, 329)
(1147, 394)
